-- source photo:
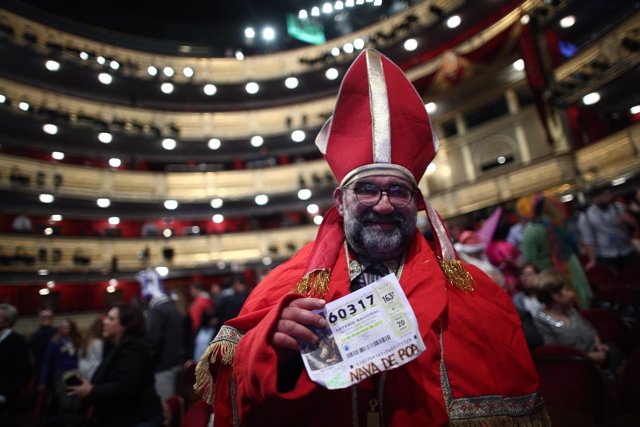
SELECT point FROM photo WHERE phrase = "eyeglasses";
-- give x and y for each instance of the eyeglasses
(370, 194)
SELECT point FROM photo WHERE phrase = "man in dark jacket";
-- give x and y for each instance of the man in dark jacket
(15, 364)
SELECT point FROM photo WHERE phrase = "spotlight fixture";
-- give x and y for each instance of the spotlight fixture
(168, 71)
(46, 198)
(216, 203)
(431, 107)
(257, 141)
(410, 45)
(261, 199)
(171, 204)
(331, 74)
(57, 155)
(103, 202)
(252, 88)
(50, 128)
(298, 135)
(518, 65)
(114, 220)
(291, 82)
(105, 137)
(214, 144)
(210, 89)
(152, 71)
(169, 143)
(249, 33)
(187, 72)
(454, 21)
(167, 88)
(105, 78)
(52, 65)
(217, 218)
(591, 98)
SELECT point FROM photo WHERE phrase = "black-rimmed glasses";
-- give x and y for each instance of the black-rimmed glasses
(370, 194)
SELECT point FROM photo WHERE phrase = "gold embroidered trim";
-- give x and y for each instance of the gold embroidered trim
(314, 284)
(456, 274)
(540, 418)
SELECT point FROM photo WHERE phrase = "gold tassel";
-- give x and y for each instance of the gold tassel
(456, 274)
(222, 350)
(314, 284)
(540, 418)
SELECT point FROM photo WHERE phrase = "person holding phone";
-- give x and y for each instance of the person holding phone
(121, 392)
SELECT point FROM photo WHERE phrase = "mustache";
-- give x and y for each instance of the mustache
(373, 217)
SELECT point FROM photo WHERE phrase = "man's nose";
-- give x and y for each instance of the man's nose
(384, 205)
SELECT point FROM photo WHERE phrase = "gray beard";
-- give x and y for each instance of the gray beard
(378, 245)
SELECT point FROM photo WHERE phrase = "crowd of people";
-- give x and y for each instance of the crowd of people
(117, 370)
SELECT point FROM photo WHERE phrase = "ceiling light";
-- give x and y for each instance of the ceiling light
(568, 21)
(252, 88)
(262, 199)
(105, 78)
(249, 32)
(210, 89)
(359, 2)
(298, 135)
(331, 74)
(268, 34)
(304, 194)
(291, 82)
(313, 208)
(51, 284)
(50, 128)
(431, 107)
(115, 162)
(44, 291)
(635, 109)
(105, 137)
(168, 71)
(377, 2)
(57, 155)
(84, 56)
(518, 65)
(217, 203)
(335, 51)
(171, 204)
(214, 143)
(24, 106)
(525, 19)
(162, 271)
(110, 289)
(3, 99)
(566, 198)
(169, 143)
(101, 60)
(349, 3)
(358, 43)
(114, 65)
(217, 218)
(48, 231)
(338, 5)
(317, 220)
(327, 8)
(501, 160)
(618, 181)
(114, 220)
(257, 141)
(431, 168)
(315, 11)
(187, 72)
(52, 65)
(348, 48)
(591, 98)
(103, 202)
(46, 198)
(166, 87)
(410, 45)
(56, 217)
(454, 21)
(267, 260)
(303, 14)
(152, 71)
(239, 55)
(221, 265)
(43, 272)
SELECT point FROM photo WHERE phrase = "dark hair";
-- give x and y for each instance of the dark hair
(549, 283)
(529, 265)
(131, 319)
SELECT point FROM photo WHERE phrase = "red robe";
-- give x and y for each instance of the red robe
(485, 378)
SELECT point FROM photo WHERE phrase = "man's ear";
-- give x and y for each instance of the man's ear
(337, 199)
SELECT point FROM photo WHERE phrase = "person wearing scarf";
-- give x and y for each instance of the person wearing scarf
(476, 369)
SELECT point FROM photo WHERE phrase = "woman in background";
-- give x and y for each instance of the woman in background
(121, 392)
(92, 350)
